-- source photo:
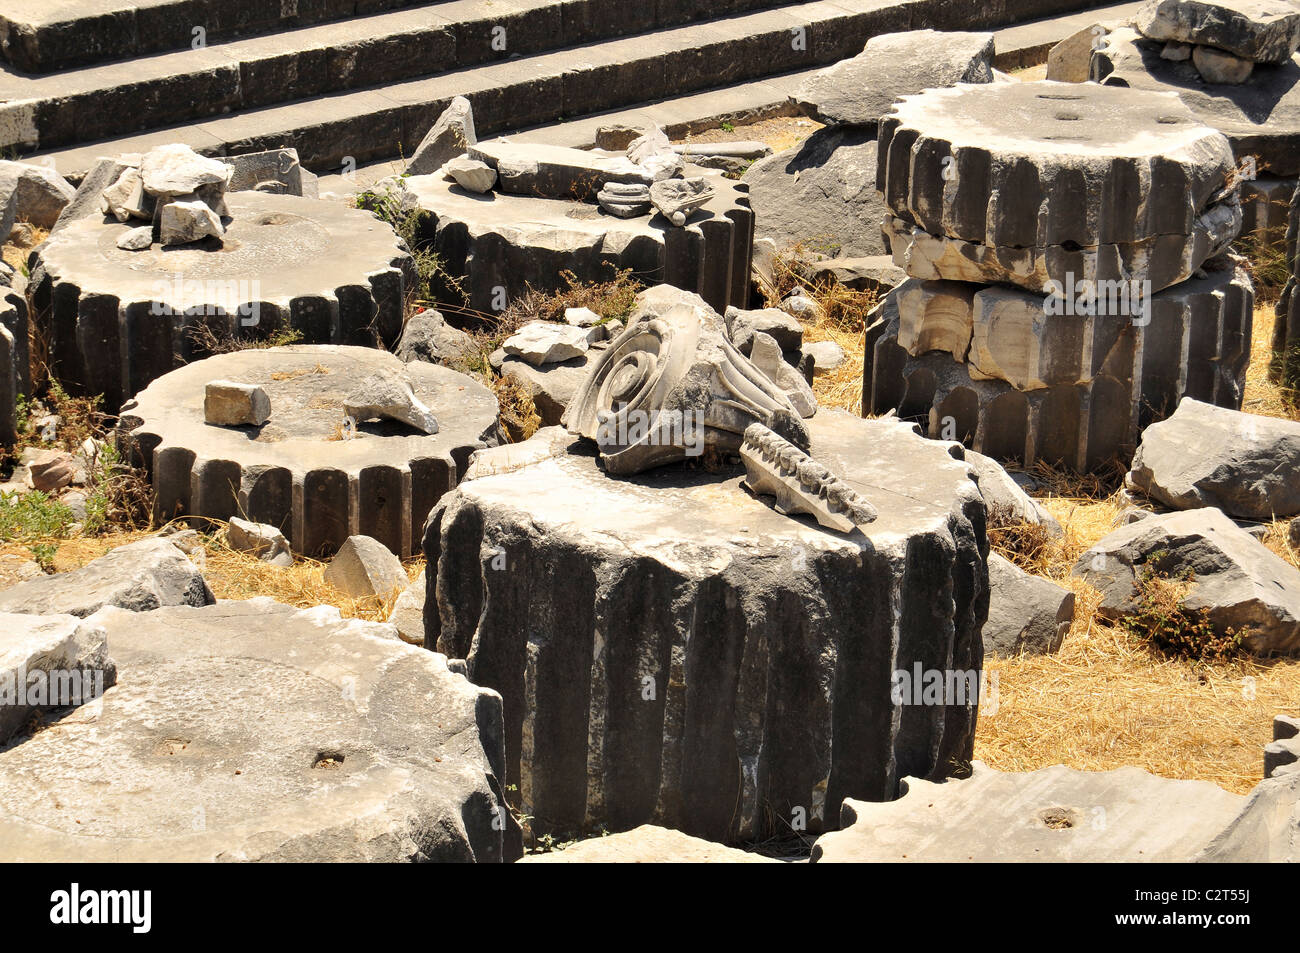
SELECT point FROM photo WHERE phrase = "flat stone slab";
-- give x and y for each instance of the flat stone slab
(644, 630)
(1262, 31)
(138, 577)
(514, 242)
(118, 320)
(555, 172)
(648, 845)
(252, 731)
(49, 662)
(1266, 831)
(297, 471)
(1260, 117)
(1244, 464)
(1051, 815)
(859, 90)
(821, 195)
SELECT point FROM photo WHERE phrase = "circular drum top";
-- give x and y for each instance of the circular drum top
(1068, 118)
(284, 246)
(300, 471)
(307, 385)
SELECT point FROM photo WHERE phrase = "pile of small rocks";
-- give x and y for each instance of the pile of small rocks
(1224, 39)
(179, 192)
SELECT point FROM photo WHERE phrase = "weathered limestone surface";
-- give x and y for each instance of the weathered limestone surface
(96, 301)
(250, 731)
(1008, 504)
(1238, 581)
(1108, 376)
(1267, 830)
(450, 136)
(365, 567)
(428, 337)
(300, 472)
(1053, 814)
(1261, 31)
(513, 242)
(1027, 614)
(1260, 117)
(646, 632)
(648, 844)
(31, 193)
(821, 194)
(275, 170)
(408, 612)
(1246, 465)
(858, 91)
(995, 176)
(555, 172)
(138, 577)
(48, 661)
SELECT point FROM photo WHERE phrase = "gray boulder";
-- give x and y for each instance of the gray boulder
(89, 196)
(389, 396)
(1008, 504)
(1027, 614)
(408, 612)
(252, 731)
(858, 91)
(1238, 581)
(31, 193)
(49, 662)
(1052, 814)
(784, 328)
(451, 136)
(138, 577)
(277, 171)
(428, 337)
(262, 540)
(1203, 455)
(546, 342)
(821, 194)
(365, 567)
(1260, 31)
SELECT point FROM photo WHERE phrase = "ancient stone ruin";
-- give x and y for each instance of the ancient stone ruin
(1055, 336)
(344, 444)
(433, 432)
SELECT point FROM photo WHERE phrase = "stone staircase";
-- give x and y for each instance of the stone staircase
(348, 82)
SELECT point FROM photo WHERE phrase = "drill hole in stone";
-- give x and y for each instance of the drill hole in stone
(328, 760)
(1057, 818)
(1068, 117)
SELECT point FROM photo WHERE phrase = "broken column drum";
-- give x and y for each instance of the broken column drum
(1028, 183)
(529, 230)
(118, 319)
(673, 650)
(301, 471)
(1069, 279)
(1104, 378)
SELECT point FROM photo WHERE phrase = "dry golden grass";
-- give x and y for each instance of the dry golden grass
(235, 575)
(1105, 700)
(780, 132)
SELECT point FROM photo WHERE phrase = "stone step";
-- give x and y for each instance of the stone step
(124, 97)
(346, 130)
(1027, 44)
(41, 36)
